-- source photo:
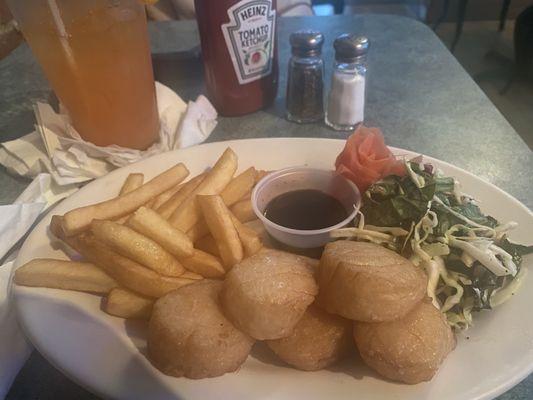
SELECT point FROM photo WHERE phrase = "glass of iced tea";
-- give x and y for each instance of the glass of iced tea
(96, 55)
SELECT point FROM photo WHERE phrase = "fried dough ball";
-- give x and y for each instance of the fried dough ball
(266, 295)
(408, 350)
(189, 336)
(367, 282)
(318, 340)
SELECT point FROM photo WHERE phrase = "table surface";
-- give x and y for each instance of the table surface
(417, 93)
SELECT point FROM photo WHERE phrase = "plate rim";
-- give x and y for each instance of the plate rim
(496, 391)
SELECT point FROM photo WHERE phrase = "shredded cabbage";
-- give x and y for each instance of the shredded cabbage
(469, 262)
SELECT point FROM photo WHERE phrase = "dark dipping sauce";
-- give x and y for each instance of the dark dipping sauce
(308, 209)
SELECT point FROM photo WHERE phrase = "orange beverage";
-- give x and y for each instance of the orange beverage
(96, 55)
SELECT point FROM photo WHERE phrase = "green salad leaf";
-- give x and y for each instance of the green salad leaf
(444, 185)
(397, 201)
(515, 250)
(483, 285)
(404, 201)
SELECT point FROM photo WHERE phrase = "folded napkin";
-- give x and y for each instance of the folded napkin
(55, 146)
(60, 161)
(15, 220)
(14, 347)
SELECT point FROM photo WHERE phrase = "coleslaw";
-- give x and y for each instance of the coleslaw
(470, 263)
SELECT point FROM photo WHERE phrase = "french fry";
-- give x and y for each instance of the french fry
(139, 248)
(201, 230)
(257, 226)
(251, 243)
(163, 197)
(124, 303)
(168, 207)
(121, 220)
(243, 211)
(198, 231)
(57, 240)
(247, 196)
(126, 272)
(260, 174)
(152, 225)
(218, 219)
(125, 190)
(208, 244)
(150, 203)
(66, 275)
(79, 219)
(132, 182)
(238, 187)
(56, 226)
(204, 264)
(192, 275)
(188, 213)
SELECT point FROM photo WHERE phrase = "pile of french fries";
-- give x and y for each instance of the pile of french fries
(153, 237)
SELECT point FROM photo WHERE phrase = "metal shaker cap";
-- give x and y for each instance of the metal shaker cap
(306, 43)
(350, 48)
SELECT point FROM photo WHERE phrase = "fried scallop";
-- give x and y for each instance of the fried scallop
(408, 350)
(318, 340)
(189, 336)
(266, 295)
(367, 282)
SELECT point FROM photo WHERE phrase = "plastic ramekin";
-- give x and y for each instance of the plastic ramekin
(301, 178)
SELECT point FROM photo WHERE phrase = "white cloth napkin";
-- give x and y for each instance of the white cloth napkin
(55, 146)
(60, 161)
(15, 220)
(14, 347)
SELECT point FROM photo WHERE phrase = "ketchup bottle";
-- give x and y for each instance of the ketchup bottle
(239, 53)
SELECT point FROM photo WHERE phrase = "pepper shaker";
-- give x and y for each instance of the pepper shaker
(305, 83)
(346, 102)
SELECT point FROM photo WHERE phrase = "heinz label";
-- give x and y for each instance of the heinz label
(249, 36)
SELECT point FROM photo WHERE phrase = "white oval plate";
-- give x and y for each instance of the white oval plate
(105, 354)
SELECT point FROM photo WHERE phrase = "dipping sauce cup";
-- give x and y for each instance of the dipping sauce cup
(303, 178)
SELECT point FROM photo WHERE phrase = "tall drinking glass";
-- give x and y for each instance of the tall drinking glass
(96, 55)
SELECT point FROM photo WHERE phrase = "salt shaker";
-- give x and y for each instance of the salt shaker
(346, 102)
(305, 83)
